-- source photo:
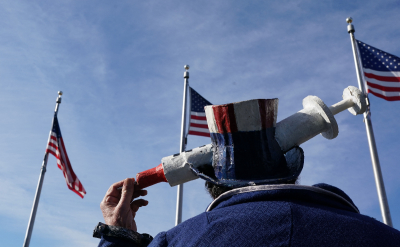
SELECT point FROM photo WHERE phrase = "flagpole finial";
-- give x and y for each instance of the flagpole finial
(350, 27)
(186, 73)
(58, 101)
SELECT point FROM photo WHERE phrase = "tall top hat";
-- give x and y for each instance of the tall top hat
(245, 151)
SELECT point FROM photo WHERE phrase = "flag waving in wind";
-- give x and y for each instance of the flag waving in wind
(198, 122)
(56, 147)
(381, 72)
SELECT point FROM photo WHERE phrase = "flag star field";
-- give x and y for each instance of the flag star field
(381, 72)
(198, 121)
(198, 102)
(373, 58)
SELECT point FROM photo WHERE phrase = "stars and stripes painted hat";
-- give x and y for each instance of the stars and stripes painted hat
(245, 151)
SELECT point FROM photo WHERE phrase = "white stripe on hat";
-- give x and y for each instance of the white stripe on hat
(247, 114)
(212, 125)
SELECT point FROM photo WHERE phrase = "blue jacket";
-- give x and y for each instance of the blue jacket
(277, 215)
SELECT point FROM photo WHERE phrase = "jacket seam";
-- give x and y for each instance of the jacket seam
(291, 224)
(208, 220)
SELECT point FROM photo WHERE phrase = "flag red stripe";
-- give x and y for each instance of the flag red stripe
(394, 98)
(79, 194)
(205, 126)
(191, 132)
(382, 78)
(198, 117)
(383, 88)
(64, 151)
(53, 145)
(66, 163)
(51, 152)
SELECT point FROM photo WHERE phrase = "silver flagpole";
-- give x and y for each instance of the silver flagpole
(179, 197)
(40, 183)
(370, 134)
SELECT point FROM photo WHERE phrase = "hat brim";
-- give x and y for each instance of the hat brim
(294, 161)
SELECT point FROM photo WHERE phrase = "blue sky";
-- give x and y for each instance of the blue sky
(120, 66)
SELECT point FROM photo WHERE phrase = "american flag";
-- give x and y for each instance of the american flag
(56, 147)
(198, 122)
(381, 72)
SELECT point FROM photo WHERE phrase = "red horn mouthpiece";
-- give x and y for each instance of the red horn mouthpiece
(150, 177)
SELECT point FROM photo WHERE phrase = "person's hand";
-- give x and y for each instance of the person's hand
(117, 206)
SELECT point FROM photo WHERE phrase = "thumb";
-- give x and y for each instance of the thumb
(127, 192)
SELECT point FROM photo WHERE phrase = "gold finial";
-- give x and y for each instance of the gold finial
(60, 92)
(349, 20)
(186, 67)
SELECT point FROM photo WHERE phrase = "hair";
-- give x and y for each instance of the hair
(215, 190)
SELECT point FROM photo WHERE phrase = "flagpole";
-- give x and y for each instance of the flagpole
(383, 202)
(179, 197)
(40, 183)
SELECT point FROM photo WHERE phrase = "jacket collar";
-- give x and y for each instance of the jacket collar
(321, 193)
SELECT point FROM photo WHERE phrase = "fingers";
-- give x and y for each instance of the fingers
(138, 193)
(127, 191)
(115, 192)
(135, 205)
(112, 194)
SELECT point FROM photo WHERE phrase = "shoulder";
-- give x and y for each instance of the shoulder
(159, 240)
(188, 233)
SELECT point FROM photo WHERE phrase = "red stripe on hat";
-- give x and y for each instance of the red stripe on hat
(267, 109)
(225, 118)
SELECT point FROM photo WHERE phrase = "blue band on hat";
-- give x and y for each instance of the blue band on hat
(223, 158)
(294, 159)
(247, 155)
